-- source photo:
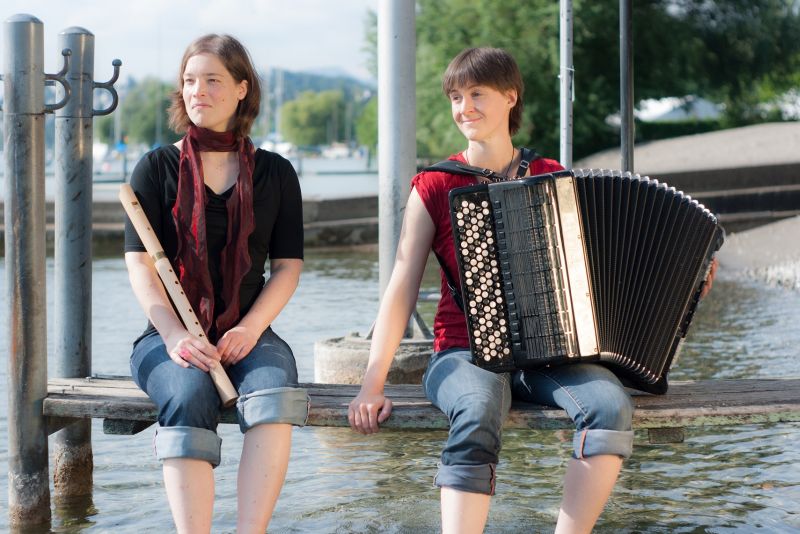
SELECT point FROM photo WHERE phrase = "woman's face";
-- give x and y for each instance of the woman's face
(481, 112)
(210, 93)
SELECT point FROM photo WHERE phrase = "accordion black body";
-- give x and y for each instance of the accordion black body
(583, 265)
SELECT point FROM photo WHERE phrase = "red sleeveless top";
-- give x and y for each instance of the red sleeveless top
(449, 324)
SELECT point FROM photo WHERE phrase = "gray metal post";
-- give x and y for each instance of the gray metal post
(23, 127)
(73, 251)
(626, 83)
(566, 76)
(344, 360)
(397, 150)
(72, 472)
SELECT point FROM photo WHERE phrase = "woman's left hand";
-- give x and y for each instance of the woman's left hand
(712, 273)
(235, 344)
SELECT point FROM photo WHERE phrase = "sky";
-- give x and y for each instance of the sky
(149, 36)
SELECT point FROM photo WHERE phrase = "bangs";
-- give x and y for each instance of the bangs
(477, 66)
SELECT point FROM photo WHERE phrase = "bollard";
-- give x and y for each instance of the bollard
(23, 126)
(72, 473)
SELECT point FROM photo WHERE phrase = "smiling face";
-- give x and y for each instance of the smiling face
(210, 93)
(481, 112)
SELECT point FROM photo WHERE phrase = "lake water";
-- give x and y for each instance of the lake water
(724, 479)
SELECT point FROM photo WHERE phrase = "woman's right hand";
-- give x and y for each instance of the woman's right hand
(367, 410)
(185, 349)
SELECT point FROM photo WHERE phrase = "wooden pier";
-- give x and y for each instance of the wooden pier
(126, 410)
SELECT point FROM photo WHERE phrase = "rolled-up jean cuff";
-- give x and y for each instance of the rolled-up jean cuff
(598, 441)
(275, 405)
(187, 442)
(469, 478)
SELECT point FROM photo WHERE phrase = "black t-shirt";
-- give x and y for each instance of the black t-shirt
(277, 209)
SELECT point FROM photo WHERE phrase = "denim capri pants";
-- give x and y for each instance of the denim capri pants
(189, 405)
(476, 402)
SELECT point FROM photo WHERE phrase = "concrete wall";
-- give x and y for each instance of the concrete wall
(328, 222)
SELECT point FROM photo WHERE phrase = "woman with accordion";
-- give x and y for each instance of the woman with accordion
(485, 89)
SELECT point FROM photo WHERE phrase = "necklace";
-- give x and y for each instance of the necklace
(508, 167)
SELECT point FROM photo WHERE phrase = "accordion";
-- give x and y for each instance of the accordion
(583, 265)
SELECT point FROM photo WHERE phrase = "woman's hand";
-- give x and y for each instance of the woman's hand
(367, 410)
(709, 281)
(185, 349)
(235, 344)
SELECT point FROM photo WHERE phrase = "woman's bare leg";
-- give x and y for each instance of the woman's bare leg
(587, 486)
(262, 470)
(463, 512)
(190, 491)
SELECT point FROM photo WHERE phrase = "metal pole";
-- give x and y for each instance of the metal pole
(72, 472)
(567, 80)
(626, 83)
(397, 151)
(23, 127)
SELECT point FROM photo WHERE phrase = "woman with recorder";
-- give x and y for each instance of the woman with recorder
(221, 209)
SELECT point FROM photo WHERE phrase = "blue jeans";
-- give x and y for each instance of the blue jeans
(189, 405)
(477, 401)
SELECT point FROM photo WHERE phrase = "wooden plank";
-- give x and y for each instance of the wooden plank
(124, 427)
(695, 403)
(771, 388)
(54, 424)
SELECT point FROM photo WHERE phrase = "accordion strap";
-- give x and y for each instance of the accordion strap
(456, 167)
(527, 156)
(451, 283)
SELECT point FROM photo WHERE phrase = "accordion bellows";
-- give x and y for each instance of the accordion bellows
(583, 265)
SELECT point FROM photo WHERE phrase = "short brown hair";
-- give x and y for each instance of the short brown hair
(492, 67)
(238, 62)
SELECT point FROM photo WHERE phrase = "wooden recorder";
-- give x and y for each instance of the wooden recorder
(138, 218)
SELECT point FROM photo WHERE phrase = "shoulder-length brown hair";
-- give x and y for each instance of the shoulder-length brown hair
(238, 62)
(492, 67)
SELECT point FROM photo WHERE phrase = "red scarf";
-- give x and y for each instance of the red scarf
(189, 214)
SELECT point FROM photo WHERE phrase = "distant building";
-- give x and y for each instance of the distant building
(677, 109)
(672, 109)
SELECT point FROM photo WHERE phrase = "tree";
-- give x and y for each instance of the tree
(367, 125)
(738, 52)
(314, 118)
(139, 105)
(750, 51)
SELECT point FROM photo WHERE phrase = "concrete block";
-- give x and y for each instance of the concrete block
(343, 360)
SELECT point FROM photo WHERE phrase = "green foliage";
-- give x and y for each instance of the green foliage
(314, 118)
(367, 125)
(737, 52)
(532, 39)
(371, 42)
(139, 105)
(749, 51)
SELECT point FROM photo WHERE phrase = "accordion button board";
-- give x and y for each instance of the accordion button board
(584, 265)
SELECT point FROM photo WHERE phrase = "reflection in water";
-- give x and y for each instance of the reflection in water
(723, 479)
(74, 514)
